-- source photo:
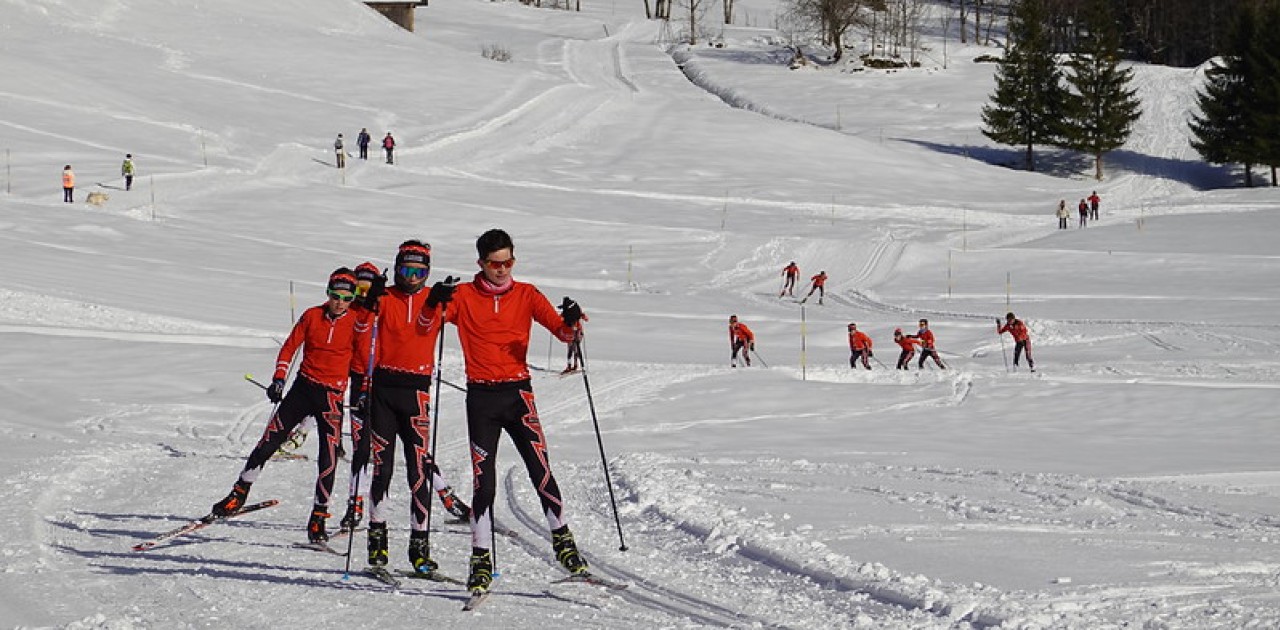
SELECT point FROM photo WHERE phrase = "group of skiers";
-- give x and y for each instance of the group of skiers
(791, 273)
(127, 170)
(741, 339)
(860, 347)
(378, 343)
(362, 141)
(1088, 209)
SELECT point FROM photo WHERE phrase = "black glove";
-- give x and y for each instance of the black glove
(441, 292)
(377, 289)
(275, 393)
(361, 408)
(571, 312)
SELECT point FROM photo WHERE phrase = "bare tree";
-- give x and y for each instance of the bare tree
(728, 11)
(694, 11)
(834, 18)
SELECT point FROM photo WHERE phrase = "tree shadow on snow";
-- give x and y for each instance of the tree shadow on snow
(1074, 165)
(773, 57)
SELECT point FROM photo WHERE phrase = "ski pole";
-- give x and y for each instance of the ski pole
(249, 377)
(762, 361)
(880, 362)
(435, 411)
(1004, 353)
(604, 462)
(354, 494)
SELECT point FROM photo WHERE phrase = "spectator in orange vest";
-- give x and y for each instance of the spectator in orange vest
(68, 183)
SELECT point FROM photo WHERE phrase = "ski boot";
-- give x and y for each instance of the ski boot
(233, 502)
(355, 513)
(420, 554)
(481, 570)
(567, 552)
(316, 526)
(453, 504)
(377, 544)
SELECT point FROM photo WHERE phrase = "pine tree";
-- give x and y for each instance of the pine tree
(1227, 129)
(1101, 112)
(1266, 106)
(1027, 106)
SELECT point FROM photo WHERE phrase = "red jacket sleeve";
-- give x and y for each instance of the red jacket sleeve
(291, 345)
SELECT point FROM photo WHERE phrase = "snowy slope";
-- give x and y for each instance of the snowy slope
(1131, 480)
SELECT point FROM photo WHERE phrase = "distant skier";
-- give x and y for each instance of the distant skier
(327, 336)
(575, 347)
(908, 345)
(362, 141)
(1021, 338)
(859, 347)
(792, 273)
(389, 145)
(340, 151)
(740, 338)
(927, 348)
(126, 171)
(68, 184)
(1094, 200)
(819, 283)
(1063, 214)
(1084, 213)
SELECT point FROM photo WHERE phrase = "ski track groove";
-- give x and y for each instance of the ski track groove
(661, 599)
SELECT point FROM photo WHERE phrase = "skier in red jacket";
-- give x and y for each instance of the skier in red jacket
(908, 345)
(819, 284)
(859, 347)
(927, 348)
(1021, 338)
(740, 339)
(327, 336)
(791, 273)
(493, 314)
(399, 404)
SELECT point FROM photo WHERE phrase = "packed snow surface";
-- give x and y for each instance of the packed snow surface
(1131, 481)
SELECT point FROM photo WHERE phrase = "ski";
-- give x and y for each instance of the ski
(474, 601)
(289, 456)
(381, 574)
(497, 529)
(593, 579)
(199, 524)
(318, 546)
(431, 576)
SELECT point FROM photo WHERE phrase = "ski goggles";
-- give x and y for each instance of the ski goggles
(343, 297)
(499, 264)
(412, 273)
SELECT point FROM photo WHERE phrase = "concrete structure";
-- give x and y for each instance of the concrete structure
(399, 12)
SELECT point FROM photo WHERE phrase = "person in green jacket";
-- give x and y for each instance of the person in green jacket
(126, 170)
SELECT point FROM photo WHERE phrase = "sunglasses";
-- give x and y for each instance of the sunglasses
(413, 273)
(499, 264)
(344, 297)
